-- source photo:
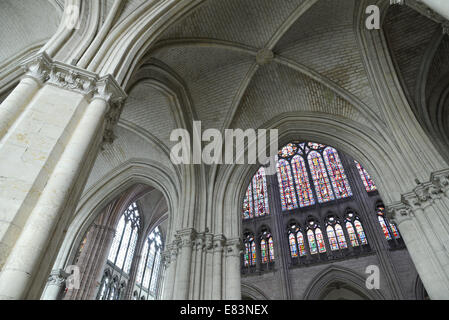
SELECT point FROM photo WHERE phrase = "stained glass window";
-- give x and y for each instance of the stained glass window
(351, 233)
(301, 245)
(248, 203)
(395, 231)
(296, 161)
(286, 187)
(263, 251)
(260, 193)
(332, 238)
(266, 247)
(250, 250)
(366, 179)
(360, 232)
(289, 150)
(320, 178)
(255, 202)
(293, 248)
(271, 248)
(312, 243)
(320, 240)
(389, 230)
(253, 253)
(296, 241)
(340, 236)
(337, 173)
(303, 189)
(247, 253)
(124, 242)
(149, 264)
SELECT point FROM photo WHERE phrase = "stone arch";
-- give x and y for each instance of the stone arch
(335, 278)
(375, 152)
(135, 171)
(253, 292)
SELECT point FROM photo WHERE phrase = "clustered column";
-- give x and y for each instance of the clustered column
(202, 266)
(423, 219)
(67, 119)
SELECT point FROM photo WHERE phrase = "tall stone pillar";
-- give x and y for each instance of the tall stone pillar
(198, 281)
(182, 283)
(423, 219)
(45, 159)
(219, 242)
(170, 262)
(208, 267)
(233, 276)
(16, 101)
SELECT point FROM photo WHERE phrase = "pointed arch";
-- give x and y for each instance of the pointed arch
(342, 277)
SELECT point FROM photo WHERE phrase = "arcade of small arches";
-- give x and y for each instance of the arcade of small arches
(87, 184)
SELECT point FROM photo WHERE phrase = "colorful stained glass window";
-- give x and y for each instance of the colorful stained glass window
(352, 235)
(320, 240)
(248, 204)
(263, 251)
(366, 179)
(249, 258)
(260, 193)
(340, 236)
(384, 227)
(286, 186)
(360, 232)
(292, 242)
(287, 151)
(315, 146)
(301, 245)
(303, 189)
(312, 242)
(247, 254)
(332, 238)
(320, 178)
(395, 231)
(253, 253)
(255, 203)
(337, 174)
(271, 248)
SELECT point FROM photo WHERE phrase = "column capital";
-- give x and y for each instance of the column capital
(422, 196)
(45, 70)
(440, 180)
(219, 242)
(57, 277)
(399, 212)
(186, 237)
(234, 247)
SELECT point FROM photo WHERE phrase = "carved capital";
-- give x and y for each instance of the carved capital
(399, 212)
(209, 239)
(38, 67)
(440, 181)
(57, 278)
(46, 71)
(186, 237)
(219, 242)
(42, 68)
(234, 247)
